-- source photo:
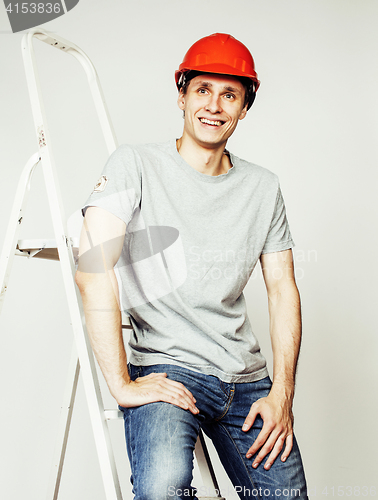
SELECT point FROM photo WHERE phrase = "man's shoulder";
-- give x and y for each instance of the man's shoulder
(253, 170)
(142, 149)
(134, 156)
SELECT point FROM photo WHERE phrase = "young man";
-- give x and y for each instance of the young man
(183, 224)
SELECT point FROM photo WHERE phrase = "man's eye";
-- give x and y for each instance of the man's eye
(202, 91)
(229, 96)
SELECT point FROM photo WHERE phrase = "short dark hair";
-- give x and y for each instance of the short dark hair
(248, 85)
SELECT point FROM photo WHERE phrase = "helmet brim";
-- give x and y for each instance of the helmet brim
(221, 69)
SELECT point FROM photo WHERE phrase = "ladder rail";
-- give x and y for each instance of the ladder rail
(14, 224)
(64, 426)
(84, 350)
(64, 45)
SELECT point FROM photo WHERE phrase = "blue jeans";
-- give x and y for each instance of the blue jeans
(160, 439)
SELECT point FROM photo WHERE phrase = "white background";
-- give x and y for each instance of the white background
(314, 123)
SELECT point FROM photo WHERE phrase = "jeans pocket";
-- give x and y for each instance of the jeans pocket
(226, 388)
(134, 371)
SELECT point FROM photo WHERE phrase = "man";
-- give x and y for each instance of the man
(183, 224)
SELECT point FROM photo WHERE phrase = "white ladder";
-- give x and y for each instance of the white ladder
(63, 249)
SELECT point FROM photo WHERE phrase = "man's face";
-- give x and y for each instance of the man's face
(213, 105)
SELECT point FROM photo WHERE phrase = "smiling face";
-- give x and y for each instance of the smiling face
(213, 105)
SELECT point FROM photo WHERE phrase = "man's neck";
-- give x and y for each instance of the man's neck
(209, 161)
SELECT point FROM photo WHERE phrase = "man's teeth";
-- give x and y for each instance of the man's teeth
(209, 122)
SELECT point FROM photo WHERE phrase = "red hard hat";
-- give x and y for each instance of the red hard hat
(219, 53)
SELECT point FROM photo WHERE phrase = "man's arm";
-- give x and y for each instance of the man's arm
(285, 331)
(101, 244)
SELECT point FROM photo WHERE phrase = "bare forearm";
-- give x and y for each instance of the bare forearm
(286, 332)
(104, 325)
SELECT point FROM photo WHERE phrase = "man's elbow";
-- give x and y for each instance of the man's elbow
(80, 280)
(85, 280)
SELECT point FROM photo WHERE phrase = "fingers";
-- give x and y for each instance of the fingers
(174, 386)
(177, 399)
(248, 422)
(178, 386)
(288, 447)
(277, 449)
(157, 387)
(177, 391)
(273, 445)
(259, 442)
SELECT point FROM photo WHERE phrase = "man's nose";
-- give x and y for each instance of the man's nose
(214, 104)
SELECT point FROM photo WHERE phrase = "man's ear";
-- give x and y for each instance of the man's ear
(181, 101)
(243, 112)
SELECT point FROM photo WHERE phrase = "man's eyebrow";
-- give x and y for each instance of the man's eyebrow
(232, 89)
(203, 84)
(229, 88)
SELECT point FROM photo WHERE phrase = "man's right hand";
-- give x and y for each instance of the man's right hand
(156, 387)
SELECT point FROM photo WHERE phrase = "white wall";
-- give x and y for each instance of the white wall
(314, 123)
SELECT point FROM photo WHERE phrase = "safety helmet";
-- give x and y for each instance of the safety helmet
(223, 54)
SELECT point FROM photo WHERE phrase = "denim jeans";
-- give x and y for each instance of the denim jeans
(160, 439)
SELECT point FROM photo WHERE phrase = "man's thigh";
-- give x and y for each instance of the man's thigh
(160, 439)
(284, 480)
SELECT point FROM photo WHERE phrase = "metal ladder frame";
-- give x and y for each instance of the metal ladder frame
(61, 249)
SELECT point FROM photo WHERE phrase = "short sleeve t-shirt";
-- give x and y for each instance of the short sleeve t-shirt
(192, 241)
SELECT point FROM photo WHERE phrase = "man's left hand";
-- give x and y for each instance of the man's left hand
(276, 432)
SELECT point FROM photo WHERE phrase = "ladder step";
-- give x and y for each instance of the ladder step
(42, 248)
(113, 414)
(37, 243)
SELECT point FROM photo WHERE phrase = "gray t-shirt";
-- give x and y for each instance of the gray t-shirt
(192, 241)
